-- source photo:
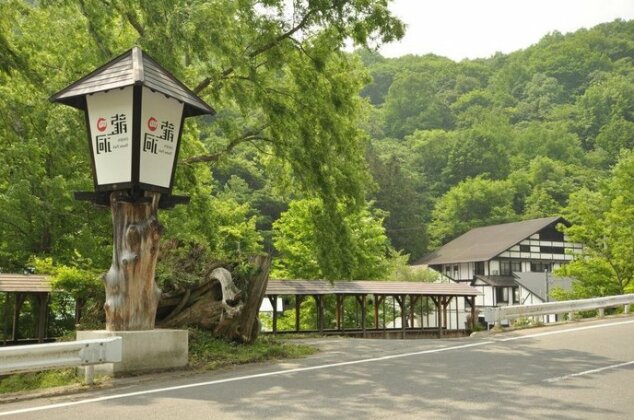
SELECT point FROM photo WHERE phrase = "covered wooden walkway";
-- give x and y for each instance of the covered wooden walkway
(20, 286)
(441, 294)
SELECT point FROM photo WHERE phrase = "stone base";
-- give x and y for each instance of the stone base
(148, 350)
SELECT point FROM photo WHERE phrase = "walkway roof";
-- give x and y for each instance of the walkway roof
(24, 283)
(393, 288)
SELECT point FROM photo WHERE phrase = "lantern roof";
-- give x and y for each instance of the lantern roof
(134, 67)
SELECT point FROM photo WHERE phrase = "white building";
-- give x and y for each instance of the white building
(494, 260)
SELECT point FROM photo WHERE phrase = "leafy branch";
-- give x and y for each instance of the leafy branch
(266, 47)
(248, 136)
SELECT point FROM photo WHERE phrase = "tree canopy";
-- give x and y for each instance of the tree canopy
(286, 95)
(311, 139)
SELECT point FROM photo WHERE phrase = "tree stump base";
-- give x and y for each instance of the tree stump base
(132, 295)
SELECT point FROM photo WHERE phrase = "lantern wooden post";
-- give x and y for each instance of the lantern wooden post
(135, 111)
(132, 295)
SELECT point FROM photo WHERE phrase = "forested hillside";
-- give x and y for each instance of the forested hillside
(456, 145)
(339, 164)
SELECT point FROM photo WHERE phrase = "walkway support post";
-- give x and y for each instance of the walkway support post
(361, 300)
(319, 302)
(298, 303)
(42, 314)
(19, 300)
(273, 300)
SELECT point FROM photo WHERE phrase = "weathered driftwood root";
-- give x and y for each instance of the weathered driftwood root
(219, 305)
(246, 327)
(132, 295)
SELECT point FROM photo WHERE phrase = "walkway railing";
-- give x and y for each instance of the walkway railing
(37, 357)
(497, 315)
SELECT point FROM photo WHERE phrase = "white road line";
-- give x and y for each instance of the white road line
(297, 370)
(589, 327)
(236, 379)
(588, 372)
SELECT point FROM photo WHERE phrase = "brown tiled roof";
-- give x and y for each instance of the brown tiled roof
(24, 283)
(320, 287)
(484, 243)
(134, 67)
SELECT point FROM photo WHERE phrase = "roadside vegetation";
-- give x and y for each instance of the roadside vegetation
(205, 353)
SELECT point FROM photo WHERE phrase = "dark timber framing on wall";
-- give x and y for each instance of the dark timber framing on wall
(17, 288)
(439, 294)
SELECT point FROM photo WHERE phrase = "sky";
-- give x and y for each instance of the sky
(461, 29)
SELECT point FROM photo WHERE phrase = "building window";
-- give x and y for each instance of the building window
(552, 250)
(456, 271)
(540, 267)
(505, 268)
(516, 295)
(501, 295)
(525, 248)
(516, 266)
(509, 267)
(479, 268)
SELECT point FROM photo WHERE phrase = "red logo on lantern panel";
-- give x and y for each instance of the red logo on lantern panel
(152, 124)
(102, 124)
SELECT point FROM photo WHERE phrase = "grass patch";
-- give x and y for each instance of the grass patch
(208, 353)
(205, 353)
(39, 380)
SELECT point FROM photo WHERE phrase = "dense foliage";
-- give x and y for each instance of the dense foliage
(335, 162)
(287, 101)
(534, 133)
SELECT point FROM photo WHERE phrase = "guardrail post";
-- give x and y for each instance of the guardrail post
(626, 309)
(571, 316)
(601, 312)
(89, 375)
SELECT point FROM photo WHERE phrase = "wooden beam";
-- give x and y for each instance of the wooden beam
(321, 314)
(437, 304)
(273, 300)
(298, 303)
(401, 303)
(378, 300)
(339, 304)
(19, 300)
(42, 314)
(361, 300)
(413, 300)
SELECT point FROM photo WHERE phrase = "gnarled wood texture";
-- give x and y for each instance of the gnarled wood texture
(218, 304)
(132, 295)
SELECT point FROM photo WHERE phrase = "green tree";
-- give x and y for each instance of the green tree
(473, 203)
(398, 196)
(603, 221)
(480, 150)
(299, 239)
(279, 79)
(429, 156)
(610, 98)
(547, 139)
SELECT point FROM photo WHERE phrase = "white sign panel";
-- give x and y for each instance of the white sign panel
(160, 126)
(110, 120)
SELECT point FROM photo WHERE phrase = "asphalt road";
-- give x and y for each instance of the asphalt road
(576, 371)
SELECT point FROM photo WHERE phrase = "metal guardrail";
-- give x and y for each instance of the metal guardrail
(36, 357)
(497, 315)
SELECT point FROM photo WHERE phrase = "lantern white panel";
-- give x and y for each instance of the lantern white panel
(110, 120)
(161, 118)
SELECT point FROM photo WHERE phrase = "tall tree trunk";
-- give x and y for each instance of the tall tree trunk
(132, 295)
